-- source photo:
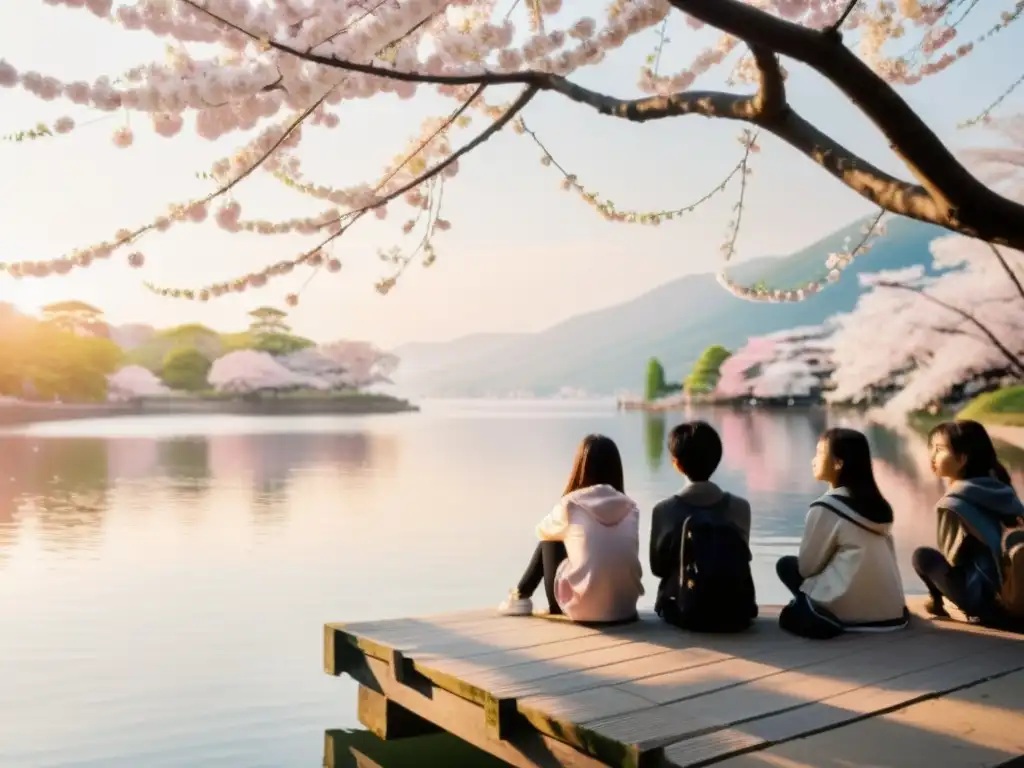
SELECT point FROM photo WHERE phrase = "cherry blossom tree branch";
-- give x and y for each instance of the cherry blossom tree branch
(947, 195)
(1013, 359)
(964, 204)
(349, 218)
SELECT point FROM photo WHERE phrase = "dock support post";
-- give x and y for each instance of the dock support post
(499, 717)
(389, 720)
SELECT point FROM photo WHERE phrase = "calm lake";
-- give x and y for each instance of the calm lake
(164, 581)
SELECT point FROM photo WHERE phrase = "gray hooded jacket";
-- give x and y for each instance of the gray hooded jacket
(977, 508)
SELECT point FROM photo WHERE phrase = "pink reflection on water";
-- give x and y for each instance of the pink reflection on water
(760, 444)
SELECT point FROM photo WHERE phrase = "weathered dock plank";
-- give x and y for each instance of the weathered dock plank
(536, 691)
(976, 726)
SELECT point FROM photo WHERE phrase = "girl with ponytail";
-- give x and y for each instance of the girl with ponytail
(979, 501)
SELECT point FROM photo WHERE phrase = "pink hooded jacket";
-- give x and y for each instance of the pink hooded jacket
(600, 579)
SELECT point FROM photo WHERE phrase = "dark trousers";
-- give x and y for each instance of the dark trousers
(788, 570)
(951, 582)
(542, 567)
(801, 617)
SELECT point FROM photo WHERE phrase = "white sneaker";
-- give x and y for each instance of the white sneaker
(514, 605)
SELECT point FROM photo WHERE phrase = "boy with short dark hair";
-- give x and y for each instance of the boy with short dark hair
(708, 586)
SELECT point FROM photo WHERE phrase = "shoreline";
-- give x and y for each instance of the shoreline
(774, 404)
(19, 414)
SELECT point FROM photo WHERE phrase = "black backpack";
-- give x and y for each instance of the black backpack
(716, 588)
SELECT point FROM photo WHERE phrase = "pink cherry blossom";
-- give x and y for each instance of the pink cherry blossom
(123, 138)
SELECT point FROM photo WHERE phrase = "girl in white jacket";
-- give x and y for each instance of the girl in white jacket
(846, 577)
(588, 556)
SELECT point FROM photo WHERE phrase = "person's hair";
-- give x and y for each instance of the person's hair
(597, 462)
(970, 441)
(856, 473)
(696, 448)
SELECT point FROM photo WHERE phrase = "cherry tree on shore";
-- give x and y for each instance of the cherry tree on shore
(248, 371)
(280, 68)
(790, 363)
(133, 382)
(738, 375)
(913, 338)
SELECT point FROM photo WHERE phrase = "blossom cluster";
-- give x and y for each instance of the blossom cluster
(338, 365)
(790, 363)
(888, 347)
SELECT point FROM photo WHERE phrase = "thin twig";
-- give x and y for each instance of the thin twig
(834, 29)
(1008, 269)
(729, 248)
(353, 216)
(983, 116)
(605, 205)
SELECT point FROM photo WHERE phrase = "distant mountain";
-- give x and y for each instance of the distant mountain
(423, 359)
(606, 350)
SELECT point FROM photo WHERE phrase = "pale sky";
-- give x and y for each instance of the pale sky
(521, 254)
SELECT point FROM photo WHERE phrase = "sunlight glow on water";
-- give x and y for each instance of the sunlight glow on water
(164, 581)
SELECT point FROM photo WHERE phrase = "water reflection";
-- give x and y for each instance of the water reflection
(60, 488)
(654, 439)
(220, 546)
(774, 449)
(362, 749)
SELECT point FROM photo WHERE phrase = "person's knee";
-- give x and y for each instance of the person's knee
(925, 560)
(786, 567)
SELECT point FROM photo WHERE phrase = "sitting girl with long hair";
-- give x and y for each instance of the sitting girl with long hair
(845, 578)
(978, 503)
(588, 554)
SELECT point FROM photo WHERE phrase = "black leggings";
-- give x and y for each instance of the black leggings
(788, 570)
(945, 580)
(542, 567)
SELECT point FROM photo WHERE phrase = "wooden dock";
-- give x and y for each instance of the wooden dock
(536, 691)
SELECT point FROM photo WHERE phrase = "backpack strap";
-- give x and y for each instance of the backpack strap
(840, 509)
(682, 549)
